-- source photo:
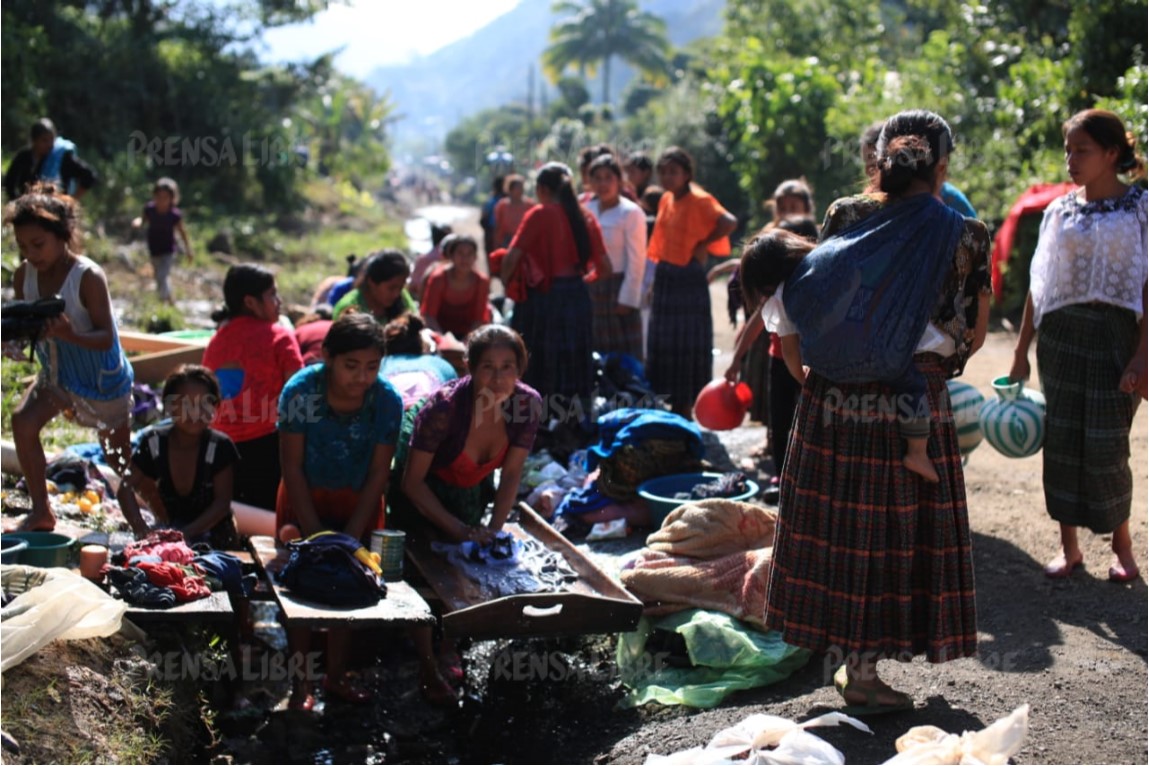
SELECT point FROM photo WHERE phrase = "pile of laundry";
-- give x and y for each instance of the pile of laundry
(702, 581)
(633, 445)
(508, 566)
(161, 571)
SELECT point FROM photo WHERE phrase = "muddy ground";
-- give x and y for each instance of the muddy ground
(1074, 650)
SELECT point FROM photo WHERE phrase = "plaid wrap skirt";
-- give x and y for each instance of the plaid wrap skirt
(871, 560)
(556, 327)
(1081, 352)
(614, 333)
(679, 345)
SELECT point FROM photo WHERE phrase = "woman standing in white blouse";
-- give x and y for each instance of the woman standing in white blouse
(617, 320)
(1087, 296)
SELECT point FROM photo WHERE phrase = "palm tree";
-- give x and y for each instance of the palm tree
(594, 31)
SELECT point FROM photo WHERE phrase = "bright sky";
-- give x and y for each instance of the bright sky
(379, 32)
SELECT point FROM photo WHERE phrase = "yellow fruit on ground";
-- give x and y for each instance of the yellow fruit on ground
(93, 496)
(85, 505)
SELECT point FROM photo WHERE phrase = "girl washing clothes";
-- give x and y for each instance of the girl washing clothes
(338, 423)
(449, 449)
(380, 289)
(455, 298)
(183, 468)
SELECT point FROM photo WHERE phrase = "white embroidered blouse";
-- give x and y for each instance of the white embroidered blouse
(1091, 252)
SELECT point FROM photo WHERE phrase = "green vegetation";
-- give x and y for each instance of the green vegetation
(788, 86)
(148, 88)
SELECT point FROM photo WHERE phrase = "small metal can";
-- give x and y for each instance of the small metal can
(390, 545)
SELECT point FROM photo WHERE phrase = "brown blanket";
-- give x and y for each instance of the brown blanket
(712, 554)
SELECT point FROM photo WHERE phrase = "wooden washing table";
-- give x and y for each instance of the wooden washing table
(214, 608)
(593, 604)
(402, 606)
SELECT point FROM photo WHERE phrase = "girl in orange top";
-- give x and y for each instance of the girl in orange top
(455, 299)
(691, 224)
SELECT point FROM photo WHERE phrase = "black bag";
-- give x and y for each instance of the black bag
(324, 568)
(25, 320)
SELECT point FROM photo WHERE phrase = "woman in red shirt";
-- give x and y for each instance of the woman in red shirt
(555, 245)
(455, 298)
(691, 224)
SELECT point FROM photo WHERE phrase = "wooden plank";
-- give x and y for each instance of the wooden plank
(593, 604)
(154, 367)
(215, 608)
(402, 606)
(542, 614)
(145, 343)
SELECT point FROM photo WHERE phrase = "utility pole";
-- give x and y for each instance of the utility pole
(531, 92)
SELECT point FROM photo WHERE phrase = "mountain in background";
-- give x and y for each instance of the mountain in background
(492, 66)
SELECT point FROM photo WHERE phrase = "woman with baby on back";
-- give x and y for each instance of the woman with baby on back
(872, 559)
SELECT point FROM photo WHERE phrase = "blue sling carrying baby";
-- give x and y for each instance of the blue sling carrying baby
(862, 298)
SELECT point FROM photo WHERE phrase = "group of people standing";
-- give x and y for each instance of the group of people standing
(575, 259)
(873, 556)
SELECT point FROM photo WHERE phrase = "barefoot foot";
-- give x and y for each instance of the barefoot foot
(37, 522)
(922, 466)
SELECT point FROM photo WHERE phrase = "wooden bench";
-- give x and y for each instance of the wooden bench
(214, 608)
(402, 606)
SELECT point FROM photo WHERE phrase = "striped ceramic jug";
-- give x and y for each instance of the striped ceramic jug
(1014, 423)
(966, 402)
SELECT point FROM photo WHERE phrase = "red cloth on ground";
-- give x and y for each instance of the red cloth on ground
(187, 587)
(167, 544)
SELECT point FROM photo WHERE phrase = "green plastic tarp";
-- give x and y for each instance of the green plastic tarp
(727, 655)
